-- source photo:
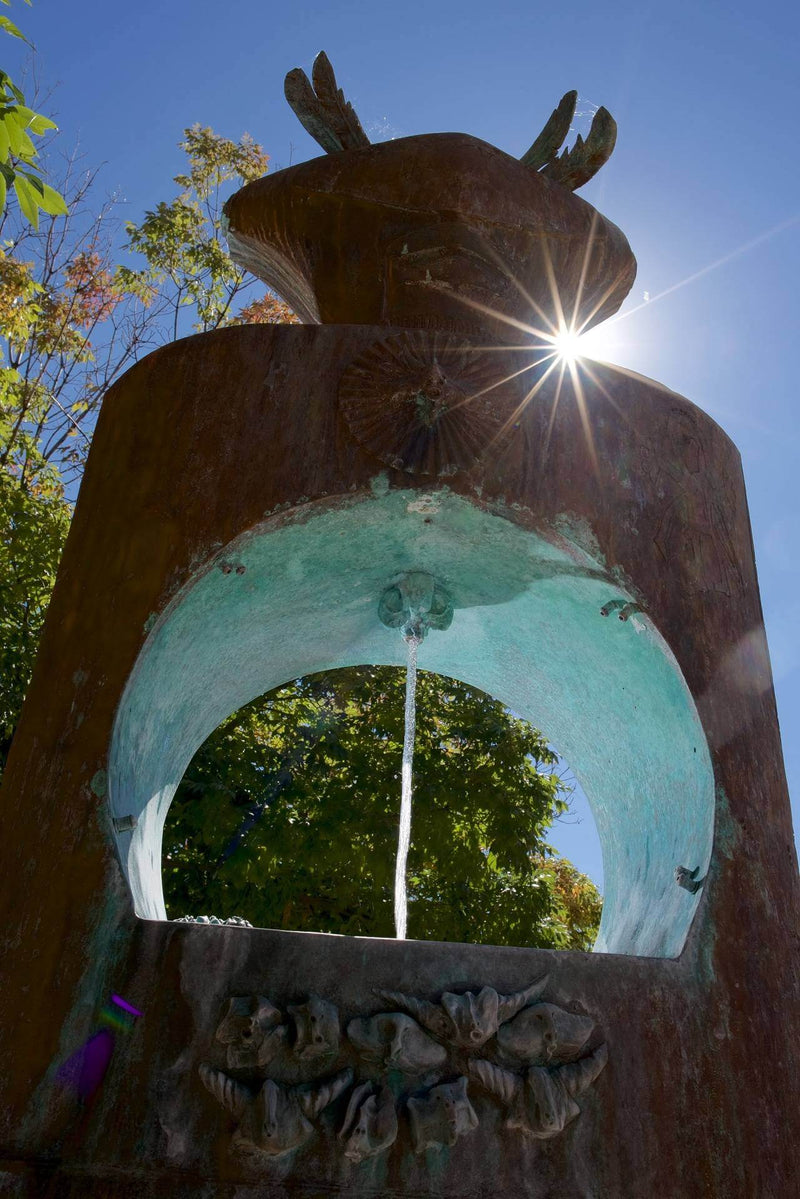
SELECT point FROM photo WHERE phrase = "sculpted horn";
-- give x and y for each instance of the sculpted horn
(577, 1076)
(497, 1081)
(312, 1100)
(429, 1014)
(509, 1005)
(231, 1094)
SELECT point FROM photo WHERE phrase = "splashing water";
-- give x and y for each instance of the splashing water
(404, 836)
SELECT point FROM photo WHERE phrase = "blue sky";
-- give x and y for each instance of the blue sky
(707, 98)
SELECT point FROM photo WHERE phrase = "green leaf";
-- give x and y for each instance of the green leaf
(27, 200)
(3, 192)
(39, 124)
(52, 202)
(15, 125)
(10, 28)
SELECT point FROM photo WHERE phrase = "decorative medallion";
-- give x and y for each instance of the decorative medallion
(429, 404)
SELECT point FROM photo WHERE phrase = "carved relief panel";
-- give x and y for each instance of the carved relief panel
(415, 1073)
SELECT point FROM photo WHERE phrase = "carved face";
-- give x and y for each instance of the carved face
(274, 1123)
(397, 1041)
(474, 1017)
(543, 1033)
(252, 1031)
(545, 1105)
(370, 1125)
(441, 1116)
(316, 1028)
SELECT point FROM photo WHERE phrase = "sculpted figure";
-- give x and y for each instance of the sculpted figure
(442, 1116)
(397, 1042)
(370, 1125)
(466, 1020)
(274, 1120)
(252, 1030)
(542, 1102)
(544, 1033)
(316, 1028)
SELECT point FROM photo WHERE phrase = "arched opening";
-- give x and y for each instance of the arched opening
(287, 816)
(299, 595)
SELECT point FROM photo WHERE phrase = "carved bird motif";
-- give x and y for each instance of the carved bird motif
(542, 1102)
(466, 1020)
(396, 1041)
(370, 1125)
(441, 1116)
(274, 1120)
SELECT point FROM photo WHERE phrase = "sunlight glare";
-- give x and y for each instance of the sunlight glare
(567, 345)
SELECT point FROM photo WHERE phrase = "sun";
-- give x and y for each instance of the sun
(567, 345)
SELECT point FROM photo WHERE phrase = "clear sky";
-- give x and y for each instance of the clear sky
(704, 180)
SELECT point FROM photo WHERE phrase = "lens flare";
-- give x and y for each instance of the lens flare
(567, 345)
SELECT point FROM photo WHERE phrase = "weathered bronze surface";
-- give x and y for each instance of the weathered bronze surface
(261, 427)
(452, 234)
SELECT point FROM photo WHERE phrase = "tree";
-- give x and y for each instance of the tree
(72, 320)
(33, 528)
(307, 778)
(187, 268)
(18, 154)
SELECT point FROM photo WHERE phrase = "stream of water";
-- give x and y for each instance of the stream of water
(404, 836)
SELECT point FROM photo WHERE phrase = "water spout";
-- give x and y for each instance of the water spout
(413, 604)
(404, 836)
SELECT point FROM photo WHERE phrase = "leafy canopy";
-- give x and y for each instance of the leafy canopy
(288, 815)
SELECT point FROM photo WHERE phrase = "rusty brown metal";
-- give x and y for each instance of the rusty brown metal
(212, 436)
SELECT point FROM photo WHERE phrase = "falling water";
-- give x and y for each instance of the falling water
(404, 837)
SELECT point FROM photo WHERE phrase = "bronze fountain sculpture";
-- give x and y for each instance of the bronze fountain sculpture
(581, 542)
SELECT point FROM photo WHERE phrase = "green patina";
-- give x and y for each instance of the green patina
(527, 629)
(99, 784)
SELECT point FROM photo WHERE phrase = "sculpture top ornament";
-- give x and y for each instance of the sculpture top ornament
(437, 231)
(332, 121)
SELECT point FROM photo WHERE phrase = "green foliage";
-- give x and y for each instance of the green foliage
(72, 319)
(33, 528)
(187, 269)
(18, 166)
(288, 815)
